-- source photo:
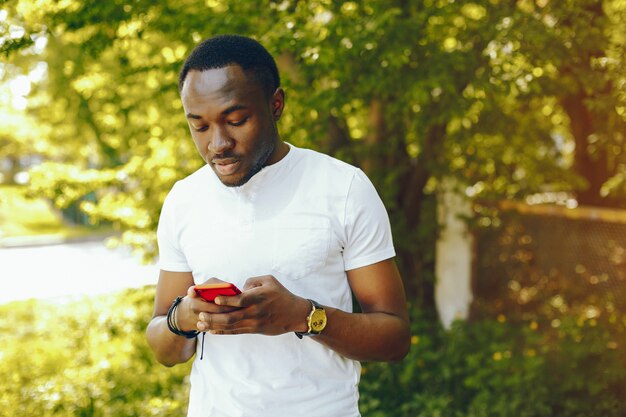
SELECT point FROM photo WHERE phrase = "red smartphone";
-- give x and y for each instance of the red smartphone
(210, 291)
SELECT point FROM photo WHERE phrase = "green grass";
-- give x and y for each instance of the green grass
(23, 218)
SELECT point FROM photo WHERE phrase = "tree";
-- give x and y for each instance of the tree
(18, 140)
(579, 47)
(411, 91)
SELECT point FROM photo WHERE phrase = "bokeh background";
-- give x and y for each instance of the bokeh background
(494, 130)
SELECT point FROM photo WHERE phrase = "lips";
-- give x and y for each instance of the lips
(226, 166)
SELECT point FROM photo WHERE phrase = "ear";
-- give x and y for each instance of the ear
(277, 103)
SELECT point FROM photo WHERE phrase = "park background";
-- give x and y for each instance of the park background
(499, 125)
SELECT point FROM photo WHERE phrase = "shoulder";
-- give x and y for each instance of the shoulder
(188, 188)
(324, 165)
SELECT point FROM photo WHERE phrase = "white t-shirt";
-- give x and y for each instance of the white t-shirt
(305, 220)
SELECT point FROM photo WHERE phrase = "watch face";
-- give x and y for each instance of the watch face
(318, 320)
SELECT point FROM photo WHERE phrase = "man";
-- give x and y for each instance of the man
(297, 231)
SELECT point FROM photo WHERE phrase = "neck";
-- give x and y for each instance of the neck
(280, 151)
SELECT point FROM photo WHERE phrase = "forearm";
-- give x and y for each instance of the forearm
(372, 336)
(169, 349)
(380, 333)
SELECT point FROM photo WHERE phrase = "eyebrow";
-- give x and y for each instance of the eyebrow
(225, 112)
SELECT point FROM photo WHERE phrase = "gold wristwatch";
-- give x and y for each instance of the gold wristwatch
(316, 320)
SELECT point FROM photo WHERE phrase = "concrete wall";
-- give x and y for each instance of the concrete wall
(453, 267)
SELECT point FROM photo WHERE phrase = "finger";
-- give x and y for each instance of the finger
(242, 330)
(243, 300)
(232, 301)
(241, 327)
(205, 321)
(227, 321)
(255, 282)
(212, 308)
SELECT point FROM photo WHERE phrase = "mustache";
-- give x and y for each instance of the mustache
(226, 155)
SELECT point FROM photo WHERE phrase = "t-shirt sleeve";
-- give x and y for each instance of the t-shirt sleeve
(171, 257)
(368, 232)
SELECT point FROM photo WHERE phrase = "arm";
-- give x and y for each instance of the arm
(169, 348)
(380, 333)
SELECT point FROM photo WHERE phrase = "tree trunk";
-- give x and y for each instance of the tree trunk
(421, 266)
(593, 167)
(383, 153)
(591, 164)
(373, 162)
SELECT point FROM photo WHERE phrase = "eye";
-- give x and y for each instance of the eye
(200, 129)
(238, 122)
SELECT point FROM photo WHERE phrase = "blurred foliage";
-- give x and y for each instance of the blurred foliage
(508, 97)
(86, 357)
(89, 358)
(501, 368)
(33, 220)
(539, 267)
(24, 217)
(556, 284)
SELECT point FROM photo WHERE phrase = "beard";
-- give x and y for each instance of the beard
(263, 155)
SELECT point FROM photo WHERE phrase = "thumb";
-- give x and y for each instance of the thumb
(191, 292)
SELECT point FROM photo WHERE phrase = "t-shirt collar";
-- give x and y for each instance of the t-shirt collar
(265, 176)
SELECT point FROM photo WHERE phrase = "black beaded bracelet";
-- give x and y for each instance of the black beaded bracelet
(171, 321)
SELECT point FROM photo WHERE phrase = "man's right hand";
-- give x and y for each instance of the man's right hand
(189, 309)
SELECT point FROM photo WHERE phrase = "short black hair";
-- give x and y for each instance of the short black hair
(223, 50)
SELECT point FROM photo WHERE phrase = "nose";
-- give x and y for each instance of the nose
(220, 141)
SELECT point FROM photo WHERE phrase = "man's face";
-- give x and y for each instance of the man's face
(232, 122)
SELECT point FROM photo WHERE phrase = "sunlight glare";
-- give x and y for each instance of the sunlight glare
(16, 32)
(39, 72)
(20, 86)
(40, 44)
(19, 103)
